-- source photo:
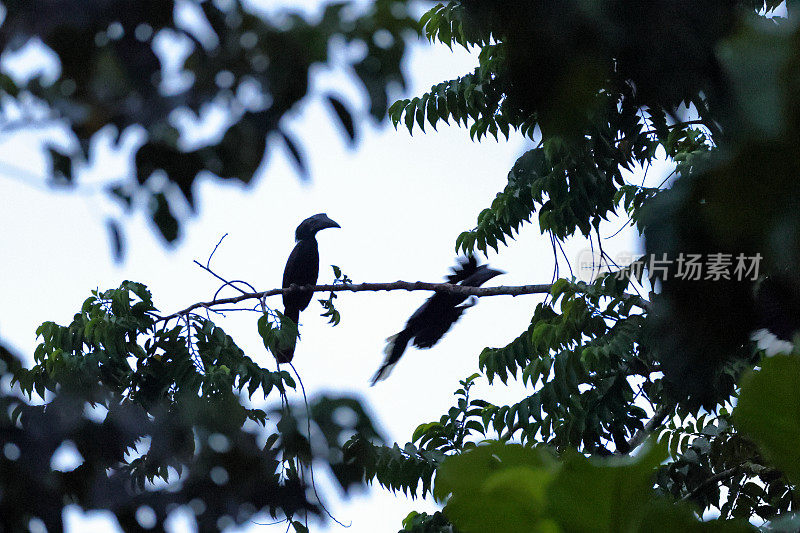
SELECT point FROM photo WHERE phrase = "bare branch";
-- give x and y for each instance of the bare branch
(747, 468)
(225, 282)
(716, 478)
(506, 436)
(375, 287)
(651, 425)
(208, 263)
(513, 290)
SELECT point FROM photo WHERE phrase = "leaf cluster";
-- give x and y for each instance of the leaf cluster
(111, 76)
(706, 448)
(394, 468)
(331, 313)
(122, 452)
(578, 79)
(147, 403)
(525, 489)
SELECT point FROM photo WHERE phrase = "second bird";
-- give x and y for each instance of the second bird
(431, 321)
(302, 268)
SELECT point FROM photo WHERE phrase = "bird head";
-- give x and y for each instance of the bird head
(468, 272)
(481, 275)
(310, 226)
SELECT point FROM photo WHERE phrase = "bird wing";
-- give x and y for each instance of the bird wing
(302, 268)
(429, 323)
(434, 329)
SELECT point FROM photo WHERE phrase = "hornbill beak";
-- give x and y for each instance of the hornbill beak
(310, 226)
(326, 222)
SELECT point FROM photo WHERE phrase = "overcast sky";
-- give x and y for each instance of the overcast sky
(400, 200)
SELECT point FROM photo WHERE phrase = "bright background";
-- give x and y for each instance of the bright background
(401, 201)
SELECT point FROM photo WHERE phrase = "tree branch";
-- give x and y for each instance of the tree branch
(374, 287)
(748, 468)
(512, 290)
(650, 426)
(711, 481)
(510, 432)
(670, 126)
(640, 436)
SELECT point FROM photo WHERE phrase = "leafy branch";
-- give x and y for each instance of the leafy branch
(650, 426)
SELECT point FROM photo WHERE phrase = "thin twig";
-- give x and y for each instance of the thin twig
(225, 282)
(208, 263)
(311, 460)
(670, 126)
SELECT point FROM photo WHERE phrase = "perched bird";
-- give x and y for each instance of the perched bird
(431, 321)
(302, 268)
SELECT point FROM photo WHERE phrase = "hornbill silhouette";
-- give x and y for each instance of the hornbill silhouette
(431, 321)
(302, 268)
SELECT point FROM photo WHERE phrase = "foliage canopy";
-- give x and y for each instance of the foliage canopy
(601, 89)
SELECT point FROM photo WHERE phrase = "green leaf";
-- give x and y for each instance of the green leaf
(768, 411)
(422, 429)
(667, 517)
(163, 218)
(496, 487)
(396, 111)
(115, 234)
(61, 166)
(265, 331)
(271, 440)
(411, 108)
(409, 519)
(299, 527)
(296, 155)
(606, 495)
(344, 116)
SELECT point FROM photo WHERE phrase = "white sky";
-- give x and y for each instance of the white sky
(401, 202)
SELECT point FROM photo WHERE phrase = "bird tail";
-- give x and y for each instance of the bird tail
(285, 352)
(396, 345)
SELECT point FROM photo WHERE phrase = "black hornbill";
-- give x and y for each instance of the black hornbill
(302, 268)
(431, 321)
